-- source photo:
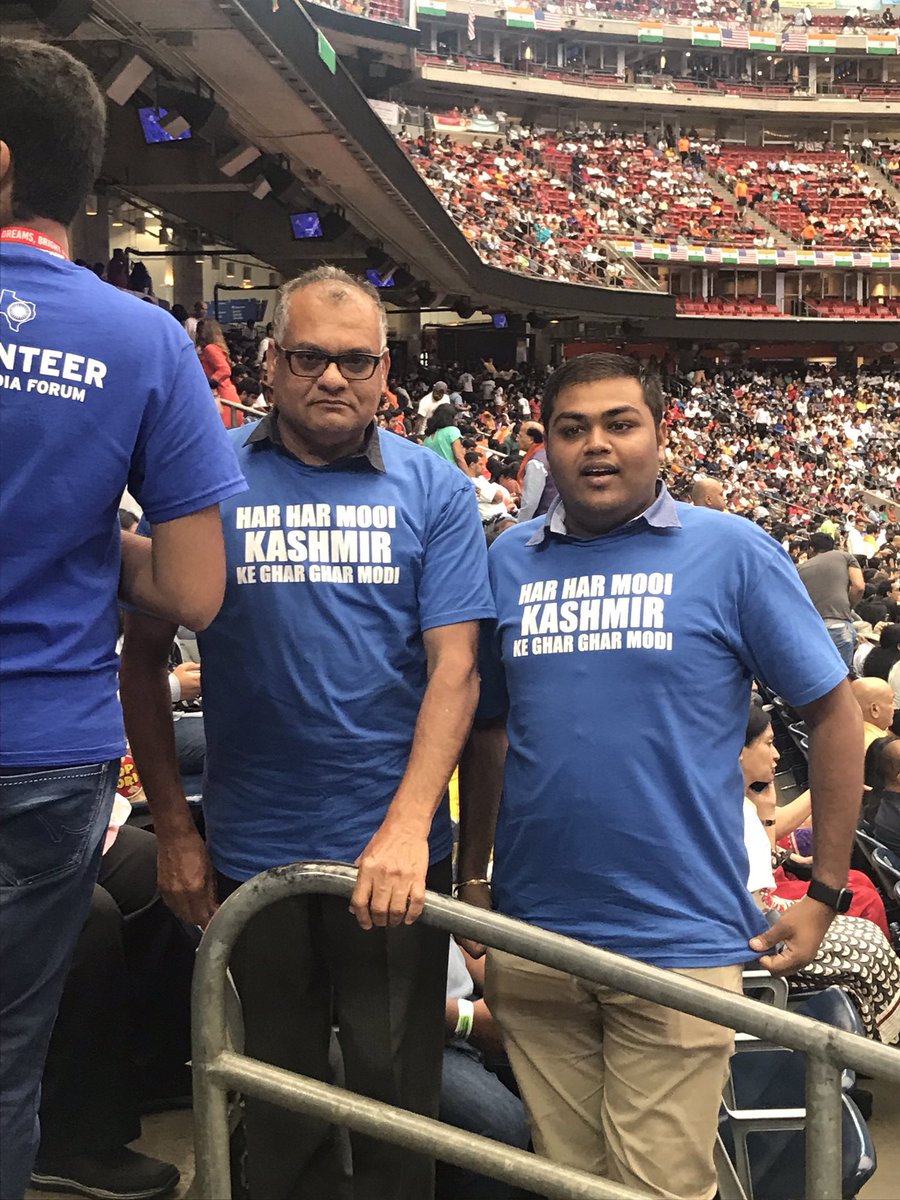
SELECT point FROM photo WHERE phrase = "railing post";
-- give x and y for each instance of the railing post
(823, 1129)
(209, 1039)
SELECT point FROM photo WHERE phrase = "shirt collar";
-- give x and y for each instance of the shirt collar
(662, 514)
(266, 431)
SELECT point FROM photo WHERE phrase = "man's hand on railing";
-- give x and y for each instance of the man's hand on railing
(800, 930)
(390, 886)
(478, 893)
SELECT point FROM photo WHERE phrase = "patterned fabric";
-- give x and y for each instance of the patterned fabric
(856, 956)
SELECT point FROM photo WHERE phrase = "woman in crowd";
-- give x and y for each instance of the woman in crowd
(216, 362)
(882, 801)
(854, 953)
(443, 437)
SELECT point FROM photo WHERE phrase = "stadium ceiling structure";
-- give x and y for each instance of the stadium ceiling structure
(278, 126)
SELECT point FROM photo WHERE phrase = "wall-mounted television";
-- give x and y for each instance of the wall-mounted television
(153, 132)
(306, 225)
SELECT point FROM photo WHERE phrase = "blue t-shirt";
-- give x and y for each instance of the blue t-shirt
(98, 391)
(314, 670)
(625, 662)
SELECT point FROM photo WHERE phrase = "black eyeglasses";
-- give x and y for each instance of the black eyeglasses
(310, 364)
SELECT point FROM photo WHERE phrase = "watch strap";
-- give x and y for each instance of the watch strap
(837, 899)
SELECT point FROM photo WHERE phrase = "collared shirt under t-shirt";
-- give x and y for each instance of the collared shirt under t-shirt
(315, 669)
(625, 662)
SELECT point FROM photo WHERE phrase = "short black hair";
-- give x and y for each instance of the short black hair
(758, 721)
(53, 118)
(592, 368)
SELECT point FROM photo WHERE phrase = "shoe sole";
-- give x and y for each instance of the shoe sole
(55, 1183)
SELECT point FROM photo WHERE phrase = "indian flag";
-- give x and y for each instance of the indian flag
(806, 260)
(520, 18)
(766, 258)
(843, 258)
(761, 40)
(820, 43)
(431, 8)
(696, 254)
(706, 35)
(660, 252)
(880, 43)
(729, 254)
(650, 31)
(881, 260)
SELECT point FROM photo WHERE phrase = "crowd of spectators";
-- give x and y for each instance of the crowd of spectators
(759, 14)
(820, 198)
(549, 204)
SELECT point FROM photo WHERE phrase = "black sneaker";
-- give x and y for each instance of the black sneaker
(117, 1175)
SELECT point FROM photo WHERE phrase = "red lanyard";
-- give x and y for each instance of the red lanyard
(22, 236)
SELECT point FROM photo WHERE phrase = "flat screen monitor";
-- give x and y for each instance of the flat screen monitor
(306, 225)
(153, 131)
(500, 321)
(378, 280)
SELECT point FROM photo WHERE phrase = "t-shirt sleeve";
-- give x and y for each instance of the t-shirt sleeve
(493, 699)
(783, 639)
(453, 435)
(183, 460)
(454, 583)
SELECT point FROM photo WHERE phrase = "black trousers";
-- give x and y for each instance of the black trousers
(302, 965)
(123, 1027)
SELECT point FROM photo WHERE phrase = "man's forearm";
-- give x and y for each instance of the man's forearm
(835, 780)
(444, 720)
(480, 786)
(179, 574)
(147, 706)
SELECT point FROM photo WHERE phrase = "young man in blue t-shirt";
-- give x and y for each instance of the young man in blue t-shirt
(339, 683)
(92, 384)
(628, 631)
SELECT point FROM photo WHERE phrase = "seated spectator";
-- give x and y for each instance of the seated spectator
(854, 953)
(876, 699)
(882, 804)
(122, 1036)
(477, 1087)
(884, 663)
(443, 437)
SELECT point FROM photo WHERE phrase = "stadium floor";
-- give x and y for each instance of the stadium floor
(170, 1136)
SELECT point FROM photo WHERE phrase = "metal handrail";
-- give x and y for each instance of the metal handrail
(217, 1068)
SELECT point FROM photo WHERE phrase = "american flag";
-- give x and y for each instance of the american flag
(678, 253)
(794, 38)
(470, 30)
(736, 39)
(548, 20)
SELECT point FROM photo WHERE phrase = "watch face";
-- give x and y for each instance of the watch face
(845, 899)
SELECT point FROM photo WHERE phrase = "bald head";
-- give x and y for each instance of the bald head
(708, 493)
(876, 699)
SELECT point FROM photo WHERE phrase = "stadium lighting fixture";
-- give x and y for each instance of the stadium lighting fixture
(90, 205)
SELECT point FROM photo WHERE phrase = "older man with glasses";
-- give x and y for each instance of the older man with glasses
(339, 685)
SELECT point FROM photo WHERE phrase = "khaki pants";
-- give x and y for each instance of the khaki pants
(612, 1084)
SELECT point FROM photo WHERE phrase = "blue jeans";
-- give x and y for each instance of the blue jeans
(844, 636)
(474, 1099)
(52, 826)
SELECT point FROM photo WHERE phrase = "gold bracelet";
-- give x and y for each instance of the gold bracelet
(470, 883)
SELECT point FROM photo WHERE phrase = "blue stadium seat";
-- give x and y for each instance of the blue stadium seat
(762, 1128)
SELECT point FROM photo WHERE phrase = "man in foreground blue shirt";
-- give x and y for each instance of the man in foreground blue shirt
(93, 380)
(339, 685)
(628, 631)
